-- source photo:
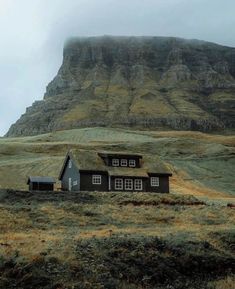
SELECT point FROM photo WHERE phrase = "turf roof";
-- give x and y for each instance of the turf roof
(90, 160)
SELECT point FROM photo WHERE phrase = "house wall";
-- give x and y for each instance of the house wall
(86, 182)
(72, 173)
(41, 187)
(163, 184)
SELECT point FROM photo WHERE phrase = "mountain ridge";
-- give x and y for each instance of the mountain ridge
(146, 82)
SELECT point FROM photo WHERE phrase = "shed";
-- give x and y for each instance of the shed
(41, 183)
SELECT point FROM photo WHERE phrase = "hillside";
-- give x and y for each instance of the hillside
(142, 82)
(202, 164)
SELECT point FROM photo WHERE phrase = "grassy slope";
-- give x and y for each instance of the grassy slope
(60, 240)
(202, 164)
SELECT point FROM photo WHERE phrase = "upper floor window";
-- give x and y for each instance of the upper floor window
(96, 179)
(70, 164)
(123, 163)
(154, 181)
(115, 162)
(132, 163)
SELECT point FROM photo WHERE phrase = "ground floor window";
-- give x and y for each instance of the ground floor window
(96, 179)
(75, 183)
(155, 181)
(138, 185)
(128, 184)
(118, 184)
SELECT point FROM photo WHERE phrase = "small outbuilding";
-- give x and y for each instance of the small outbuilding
(41, 183)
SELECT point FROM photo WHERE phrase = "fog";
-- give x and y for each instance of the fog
(33, 33)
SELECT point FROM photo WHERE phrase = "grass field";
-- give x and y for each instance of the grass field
(117, 240)
(202, 164)
(62, 240)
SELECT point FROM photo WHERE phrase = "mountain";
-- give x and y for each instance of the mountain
(143, 82)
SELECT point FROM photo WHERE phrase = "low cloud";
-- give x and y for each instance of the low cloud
(33, 33)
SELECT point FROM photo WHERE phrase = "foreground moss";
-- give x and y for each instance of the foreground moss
(114, 240)
(124, 261)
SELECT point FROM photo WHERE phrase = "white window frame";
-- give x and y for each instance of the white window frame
(154, 181)
(96, 180)
(75, 183)
(118, 184)
(138, 184)
(70, 163)
(115, 162)
(132, 163)
(123, 162)
(128, 184)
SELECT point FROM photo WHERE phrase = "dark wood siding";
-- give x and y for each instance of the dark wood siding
(41, 187)
(163, 184)
(86, 181)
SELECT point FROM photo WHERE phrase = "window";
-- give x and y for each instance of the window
(154, 181)
(75, 183)
(70, 164)
(123, 163)
(118, 184)
(138, 185)
(132, 163)
(115, 162)
(128, 184)
(96, 179)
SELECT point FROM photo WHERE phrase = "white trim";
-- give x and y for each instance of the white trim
(128, 184)
(154, 181)
(115, 162)
(118, 184)
(109, 183)
(70, 164)
(70, 184)
(132, 163)
(123, 162)
(96, 180)
(138, 184)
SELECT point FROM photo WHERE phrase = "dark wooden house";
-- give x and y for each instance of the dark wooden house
(93, 171)
(41, 183)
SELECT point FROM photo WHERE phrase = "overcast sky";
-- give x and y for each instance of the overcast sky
(33, 33)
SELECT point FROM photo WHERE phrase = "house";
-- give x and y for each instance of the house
(41, 183)
(103, 171)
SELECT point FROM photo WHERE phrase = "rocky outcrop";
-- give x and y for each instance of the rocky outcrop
(137, 81)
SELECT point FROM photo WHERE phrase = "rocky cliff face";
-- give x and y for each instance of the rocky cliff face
(155, 82)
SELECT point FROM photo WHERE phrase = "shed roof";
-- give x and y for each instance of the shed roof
(91, 160)
(44, 180)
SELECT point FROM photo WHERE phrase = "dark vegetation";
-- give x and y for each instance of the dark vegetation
(114, 240)
(123, 261)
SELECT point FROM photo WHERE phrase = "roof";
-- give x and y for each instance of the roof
(91, 160)
(45, 180)
(127, 172)
(121, 154)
